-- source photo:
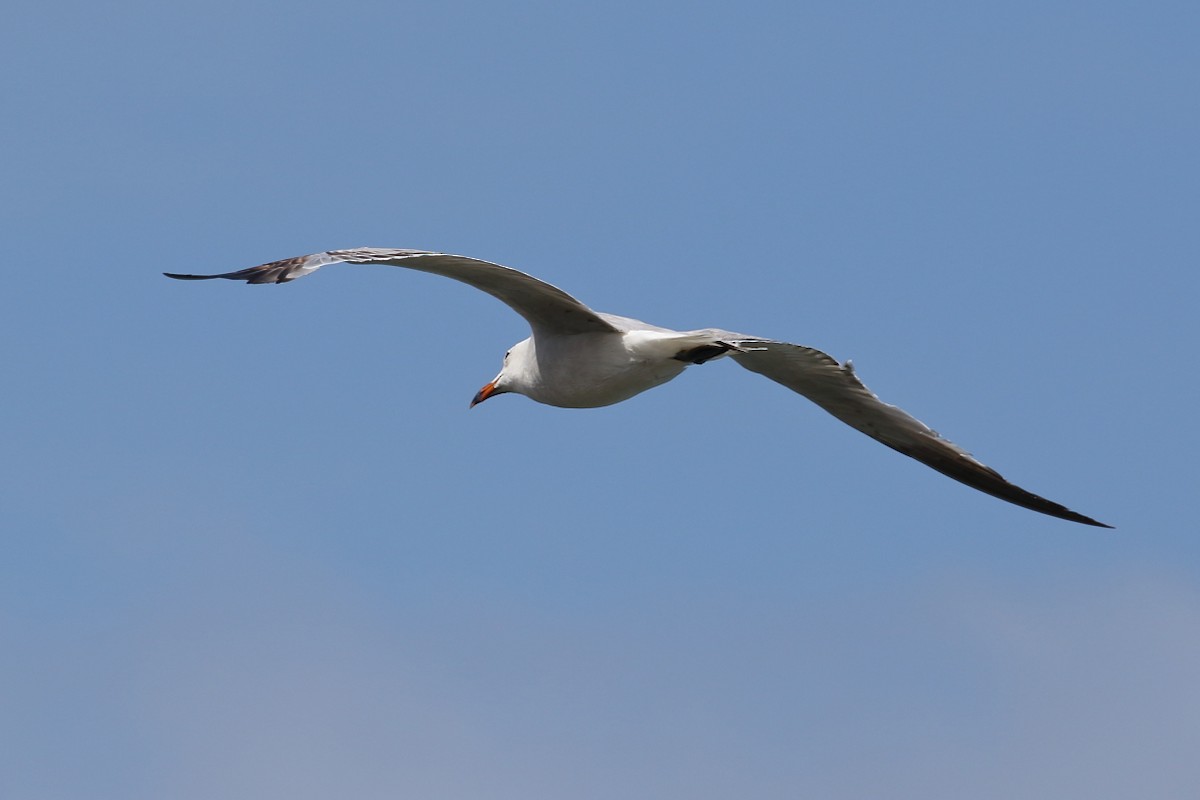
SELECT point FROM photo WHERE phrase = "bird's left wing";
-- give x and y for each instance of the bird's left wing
(544, 306)
(834, 387)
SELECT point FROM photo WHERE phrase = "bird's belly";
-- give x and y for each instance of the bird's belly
(598, 385)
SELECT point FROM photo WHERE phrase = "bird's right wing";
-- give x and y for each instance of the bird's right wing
(544, 306)
(835, 387)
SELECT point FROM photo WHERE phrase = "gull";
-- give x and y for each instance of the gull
(580, 358)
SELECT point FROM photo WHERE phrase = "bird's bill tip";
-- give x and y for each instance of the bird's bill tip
(487, 391)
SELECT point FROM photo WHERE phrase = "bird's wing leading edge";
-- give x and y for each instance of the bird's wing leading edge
(835, 388)
(544, 306)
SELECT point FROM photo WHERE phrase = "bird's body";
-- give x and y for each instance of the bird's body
(590, 370)
(580, 358)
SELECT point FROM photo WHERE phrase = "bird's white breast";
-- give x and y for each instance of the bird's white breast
(591, 370)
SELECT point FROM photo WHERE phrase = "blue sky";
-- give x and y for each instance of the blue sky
(254, 544)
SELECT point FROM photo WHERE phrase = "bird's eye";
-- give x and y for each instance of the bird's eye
(506, 355)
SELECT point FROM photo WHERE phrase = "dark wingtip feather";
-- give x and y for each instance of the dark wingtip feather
(1021, 497)
(268, 273)
(936, 453)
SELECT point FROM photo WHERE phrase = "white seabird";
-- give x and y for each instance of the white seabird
(580, 358)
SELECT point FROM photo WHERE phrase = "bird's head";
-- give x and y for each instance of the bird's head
(512, 375)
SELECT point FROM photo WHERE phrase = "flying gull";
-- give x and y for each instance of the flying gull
(580, 358)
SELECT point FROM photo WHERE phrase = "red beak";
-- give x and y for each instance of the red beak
(487, 391)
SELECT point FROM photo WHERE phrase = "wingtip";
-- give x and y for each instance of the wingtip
(1075, 516)
(181, 277)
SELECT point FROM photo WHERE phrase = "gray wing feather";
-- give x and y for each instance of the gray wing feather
(544, 306)
(836, 388)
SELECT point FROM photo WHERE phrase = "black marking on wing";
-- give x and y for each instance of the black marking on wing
(272, 272)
